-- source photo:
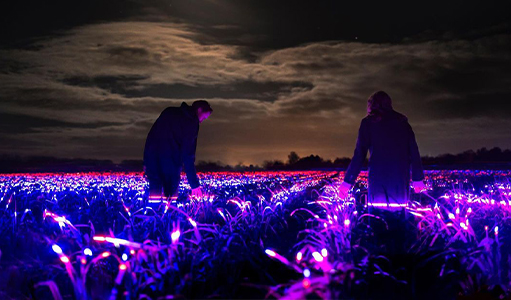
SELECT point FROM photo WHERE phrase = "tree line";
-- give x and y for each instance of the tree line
(494, 158)
(490, 158)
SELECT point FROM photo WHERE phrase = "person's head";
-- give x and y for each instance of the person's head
(378, 104)
(202, 109)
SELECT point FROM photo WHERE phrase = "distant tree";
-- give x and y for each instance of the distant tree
(310, 162)
(274, 165)
(482, 154)
(495, 154)
(343, 162)
(466, 157)
(506, 155)
(132, 165)
(292, 158)
(447, 159)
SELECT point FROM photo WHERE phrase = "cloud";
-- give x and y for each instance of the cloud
(95, 91)
(130, 87)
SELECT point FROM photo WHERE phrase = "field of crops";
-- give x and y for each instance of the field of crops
(262, 235)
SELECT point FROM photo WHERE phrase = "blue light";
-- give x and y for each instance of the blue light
(306, 273)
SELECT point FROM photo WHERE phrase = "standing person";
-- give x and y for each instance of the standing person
(393, 150)
(172, 142)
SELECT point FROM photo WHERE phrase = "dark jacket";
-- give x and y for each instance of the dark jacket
(393, 150)
(173, 140)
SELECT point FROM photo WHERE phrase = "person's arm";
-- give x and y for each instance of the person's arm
(363, 142)
(189, 161)
(415, 158)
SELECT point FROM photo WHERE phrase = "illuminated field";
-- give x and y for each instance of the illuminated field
(256, 235)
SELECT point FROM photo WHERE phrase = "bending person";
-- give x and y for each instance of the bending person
(170, 144)
(393, 150)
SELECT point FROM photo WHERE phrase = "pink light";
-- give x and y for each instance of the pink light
(175, 236)
(278, 257)
(299, 256)
(423, 209)
(105, 254)
(117, 241)
(306, 283)
(317, 256)
(194, 224)
(122, 267)
(221, 214)
(64, 259)
(83, 261)
(324, 252)
(347, 222)
(388, 204)
(155, 199)
(416, 214)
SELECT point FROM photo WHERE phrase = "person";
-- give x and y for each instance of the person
(393, 149)
(170, 144)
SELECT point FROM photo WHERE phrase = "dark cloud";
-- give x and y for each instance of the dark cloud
(89, 79)
(491, 104)
(23, 22)
(263, 24)
(12, 124)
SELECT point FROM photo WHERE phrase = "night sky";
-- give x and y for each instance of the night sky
(88, 78)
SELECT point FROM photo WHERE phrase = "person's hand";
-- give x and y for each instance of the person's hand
(344, 189)
(197, 192)
(419, 186)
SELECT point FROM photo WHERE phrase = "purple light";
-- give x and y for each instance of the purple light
(175, 236)
(299, 256)
(56, 248)
(270, 252)
(318, 257)
(324, 252)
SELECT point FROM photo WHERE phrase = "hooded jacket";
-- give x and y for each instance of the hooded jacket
(393, 152)
(173, 139)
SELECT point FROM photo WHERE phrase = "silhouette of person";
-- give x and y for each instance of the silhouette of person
(393, 150)
(170, 144)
